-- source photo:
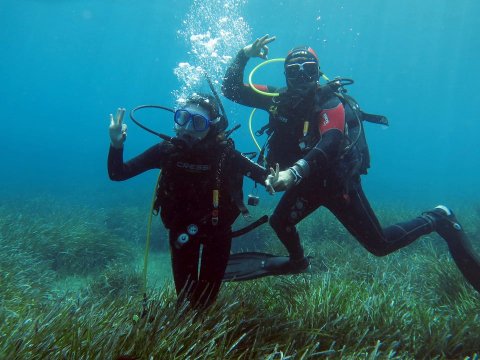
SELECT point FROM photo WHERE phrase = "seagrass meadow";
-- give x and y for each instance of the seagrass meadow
(71, 288)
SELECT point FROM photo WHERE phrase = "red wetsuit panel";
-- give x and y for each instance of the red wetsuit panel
(258, 87)
(331, 119)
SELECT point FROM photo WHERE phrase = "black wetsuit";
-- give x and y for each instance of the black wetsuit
(329, 181)
(185, 196)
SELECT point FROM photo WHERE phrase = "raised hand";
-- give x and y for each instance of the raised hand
(279, 180)
(259, 47)
(272, 179)
(118, 130)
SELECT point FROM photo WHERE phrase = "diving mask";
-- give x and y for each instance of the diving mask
(192, 124)
(300, 73)
(191, 120)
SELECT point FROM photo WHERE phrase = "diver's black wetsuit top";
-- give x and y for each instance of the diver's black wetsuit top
(188, 178)
(187, 183)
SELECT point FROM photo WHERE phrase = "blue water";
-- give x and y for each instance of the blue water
(65, 65)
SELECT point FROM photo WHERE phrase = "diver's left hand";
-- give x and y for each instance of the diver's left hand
(279, 180)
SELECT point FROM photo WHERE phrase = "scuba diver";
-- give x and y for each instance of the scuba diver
(316, 152)
(199, 192)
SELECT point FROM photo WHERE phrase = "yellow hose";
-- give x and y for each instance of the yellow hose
(149, 233)
(250, 128)
(250, 76)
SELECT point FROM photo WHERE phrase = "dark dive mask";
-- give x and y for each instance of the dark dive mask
(302, 72)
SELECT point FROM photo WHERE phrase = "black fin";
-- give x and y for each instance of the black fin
(254, 265)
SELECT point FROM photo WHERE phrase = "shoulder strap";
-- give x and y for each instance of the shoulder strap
(376, 119)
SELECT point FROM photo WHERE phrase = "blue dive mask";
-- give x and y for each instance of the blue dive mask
(189, 121)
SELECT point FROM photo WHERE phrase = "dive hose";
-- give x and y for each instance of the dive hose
(132, 116)
(250, 227)
(250, 76)
(251, 130)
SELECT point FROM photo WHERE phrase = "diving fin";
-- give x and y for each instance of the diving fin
(254, 265)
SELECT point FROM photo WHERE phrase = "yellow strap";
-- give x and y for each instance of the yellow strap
(215, 198)
(305, 128)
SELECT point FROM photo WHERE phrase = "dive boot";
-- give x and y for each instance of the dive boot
(444, 222)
